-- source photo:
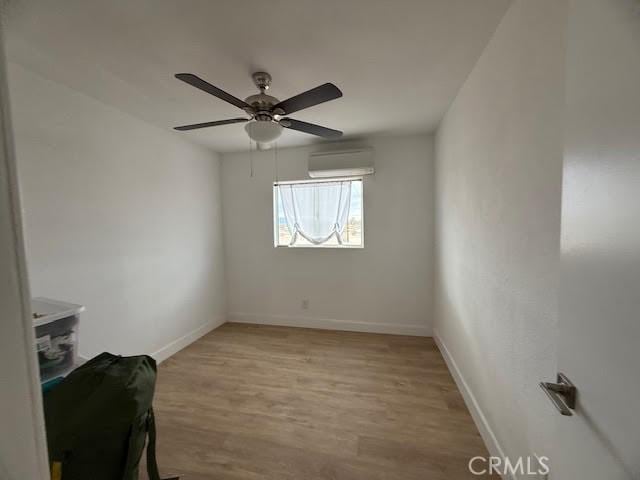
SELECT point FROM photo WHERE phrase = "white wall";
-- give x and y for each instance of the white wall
(122, 217)
(385, 287)
(498, 170)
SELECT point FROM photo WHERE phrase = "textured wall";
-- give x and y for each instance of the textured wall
(498, 184)
(121, 216)
(378, 288)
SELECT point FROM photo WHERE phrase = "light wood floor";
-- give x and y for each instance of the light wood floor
(259, 402)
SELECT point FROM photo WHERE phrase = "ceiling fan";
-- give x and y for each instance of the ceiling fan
(267, 114)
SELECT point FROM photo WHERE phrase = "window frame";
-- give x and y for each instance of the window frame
(274, 221)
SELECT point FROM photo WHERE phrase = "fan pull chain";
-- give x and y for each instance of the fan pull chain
(275, 154)
(250, 160)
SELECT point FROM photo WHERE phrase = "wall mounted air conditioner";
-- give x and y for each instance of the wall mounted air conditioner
(342, 163)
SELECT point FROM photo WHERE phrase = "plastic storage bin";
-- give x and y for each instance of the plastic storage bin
(56, 325)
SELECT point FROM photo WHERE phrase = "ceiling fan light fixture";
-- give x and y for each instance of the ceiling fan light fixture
(262, 131)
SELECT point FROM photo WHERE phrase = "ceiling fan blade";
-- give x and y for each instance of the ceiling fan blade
(310, 128)
(307, 99)
(197, 82)
(211, 124)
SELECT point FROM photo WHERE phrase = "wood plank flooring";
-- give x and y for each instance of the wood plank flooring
(250, 402)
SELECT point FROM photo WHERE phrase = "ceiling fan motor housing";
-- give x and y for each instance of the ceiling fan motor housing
(262, 104)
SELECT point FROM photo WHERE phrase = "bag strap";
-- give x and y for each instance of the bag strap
(152, 462)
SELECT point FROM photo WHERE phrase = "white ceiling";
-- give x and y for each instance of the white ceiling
(399, 63)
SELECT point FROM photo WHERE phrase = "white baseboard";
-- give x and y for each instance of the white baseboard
(489, 437)
(330, 324)
(174, 347)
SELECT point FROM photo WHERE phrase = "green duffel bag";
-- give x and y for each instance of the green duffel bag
(98, 419)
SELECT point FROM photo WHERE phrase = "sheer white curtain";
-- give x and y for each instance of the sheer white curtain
(316, 211)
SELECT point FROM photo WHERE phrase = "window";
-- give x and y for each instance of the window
(320, 214)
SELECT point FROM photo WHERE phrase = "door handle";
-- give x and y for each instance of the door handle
(562, 394)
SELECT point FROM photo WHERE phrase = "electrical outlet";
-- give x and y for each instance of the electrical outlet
(305, 304)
